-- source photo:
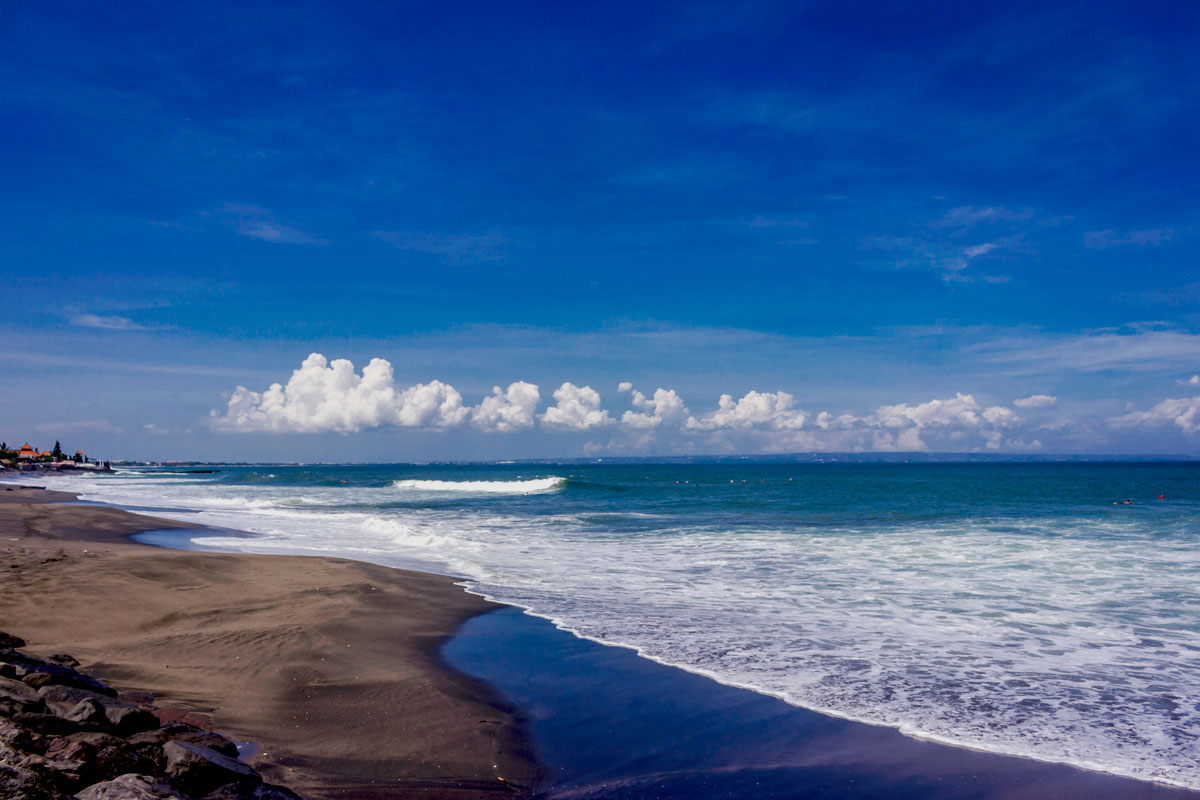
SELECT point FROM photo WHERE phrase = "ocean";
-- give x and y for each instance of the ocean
(1011, 608)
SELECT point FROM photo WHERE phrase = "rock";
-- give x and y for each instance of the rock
(185, 733)
(105, 756)
(63, 658)
(10, 656)
(125, 718)
(48, 724)
(21, 783)
(7, 640)
(14, 737)
(130, 787)
(62, 699)
(213, 741)
(198, 770)
(78, 745)
(58, 675)
(130, 719)
(19, 695)
(87, 710)
(241, 791)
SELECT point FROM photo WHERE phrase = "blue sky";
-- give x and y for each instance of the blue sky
(875, 210)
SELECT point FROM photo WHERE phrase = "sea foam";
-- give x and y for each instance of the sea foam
(530, 486)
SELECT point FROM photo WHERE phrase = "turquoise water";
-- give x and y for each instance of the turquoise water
(1008, 607)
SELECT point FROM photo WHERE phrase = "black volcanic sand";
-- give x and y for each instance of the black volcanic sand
(609, 724)
(330, 667)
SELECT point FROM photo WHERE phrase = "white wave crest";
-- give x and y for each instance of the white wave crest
(533, 486)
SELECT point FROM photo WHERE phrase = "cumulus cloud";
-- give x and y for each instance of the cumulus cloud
(961, 410)
(664, 406)
(329, 396)
(1036, 401)
(576, 408)
(1192, 381)
(954, 416)
(507, 410)
(1183, 412)
(773, 410)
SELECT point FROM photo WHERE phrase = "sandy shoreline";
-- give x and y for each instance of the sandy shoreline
(330, 666)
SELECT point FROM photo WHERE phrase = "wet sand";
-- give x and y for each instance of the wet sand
(609, 723)
(329, 666)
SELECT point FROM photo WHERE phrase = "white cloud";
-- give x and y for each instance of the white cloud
(960, 410)
(1184, 412)
(1000, 416)
(755, 410)
(664, 406)
(277, 233)
(576, 408)
(1192, 381)
(507, 410)
(256, 222)
(109, 323)
(1141, 350)
(329, 396)
(1036, 401)
(980, 249)
(969, 216)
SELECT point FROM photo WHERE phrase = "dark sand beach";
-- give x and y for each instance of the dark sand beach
(329, 666)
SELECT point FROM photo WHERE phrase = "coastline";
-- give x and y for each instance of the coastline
(330, 667)
(603, 721)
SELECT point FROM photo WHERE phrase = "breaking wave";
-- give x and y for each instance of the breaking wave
(532, 486)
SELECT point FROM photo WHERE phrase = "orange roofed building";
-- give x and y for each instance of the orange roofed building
(26, 453)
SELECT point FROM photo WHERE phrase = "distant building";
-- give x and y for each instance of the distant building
(26, 453)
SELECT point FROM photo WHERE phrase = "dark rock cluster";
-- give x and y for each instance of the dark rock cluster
(65, 734)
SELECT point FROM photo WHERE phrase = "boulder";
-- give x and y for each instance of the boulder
(130, 719)
(63, 699)
(184, 733)
(21, 783)
(19, 693)
(48, 724)
(213, 741)
(63, 658)
(125, 718)
(198, 770)
(8, 641)
(57, 675)
(87, 710)
(14, 737)
(105, 756)
(130, 787)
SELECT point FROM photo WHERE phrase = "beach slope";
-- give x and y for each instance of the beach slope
(329, 666)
